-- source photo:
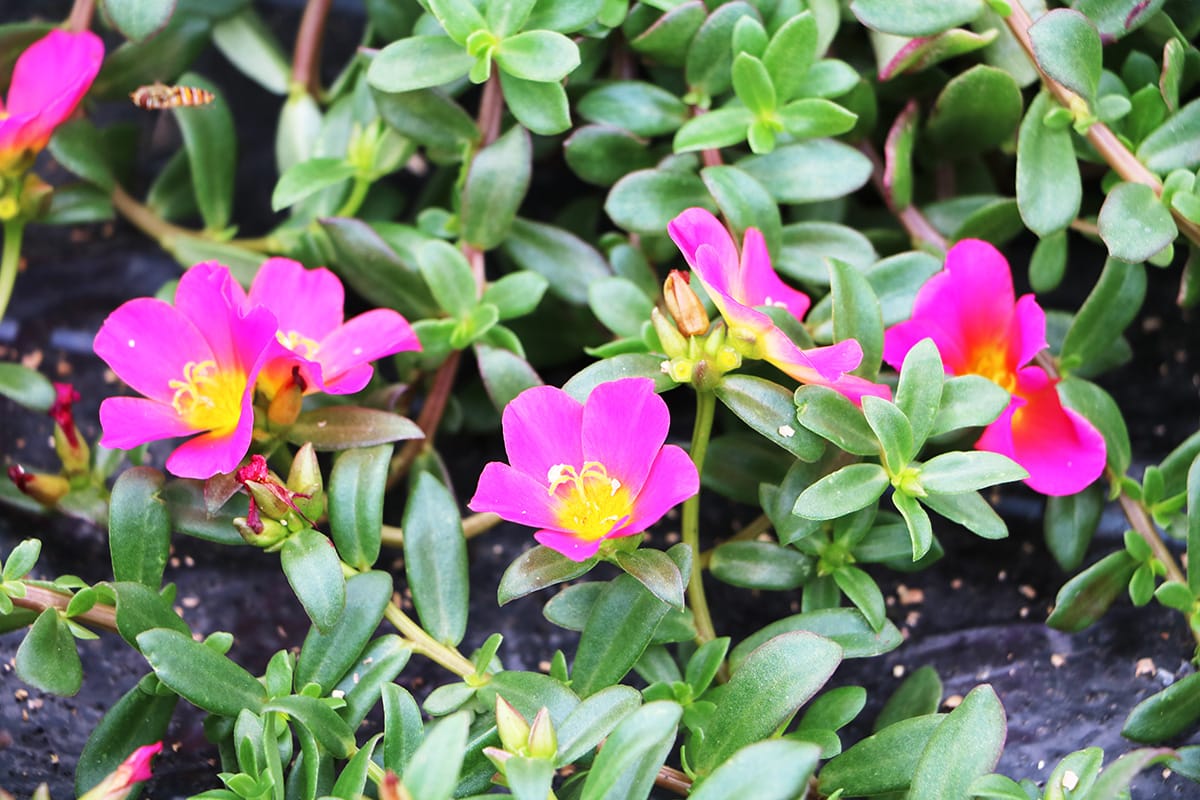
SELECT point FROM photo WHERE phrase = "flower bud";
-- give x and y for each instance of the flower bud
(683, 305)
(70, 446)
(35, 197)
(306, 484)
(392, 788)
(46, 489)
(543, 742)
(285, 406)
(669, 336)
(512, 727)
(264, 533)
(132, 770)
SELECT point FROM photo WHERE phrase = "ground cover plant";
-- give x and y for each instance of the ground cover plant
(578, 227)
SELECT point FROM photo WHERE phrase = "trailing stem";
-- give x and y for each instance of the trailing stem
(706, 403)
(80, 18)
(10, 261)
(38, 599)
(919, 229)
(307, 56)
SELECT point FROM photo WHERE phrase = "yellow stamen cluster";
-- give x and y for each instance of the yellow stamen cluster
(591, 503)
(298, 343)
(992, 363)
(208, 398)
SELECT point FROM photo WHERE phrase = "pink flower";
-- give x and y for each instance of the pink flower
(737, 284)
(132, 770)
(583, 473)
(969, 312)
(332, 356)
(48, 81)
(195, 362)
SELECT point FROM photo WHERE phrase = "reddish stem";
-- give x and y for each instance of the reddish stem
(81, 15)
(307, 56)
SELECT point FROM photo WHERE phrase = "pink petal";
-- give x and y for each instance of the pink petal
(760, 284)
(981, 283)
(698, 226)
(542, 428)
(307, 301)
(348, 382)
(717, 272)
(128, 422)
(672, 479)
(147, 343)
(1029, 330)
(138, 761)
(515, 496)
(368, 336)
(1062, 451)
(210, 297)
(624, 425)
(934, 316)
(570, 546)
(50, 78)
(211, 453)
(815, 365)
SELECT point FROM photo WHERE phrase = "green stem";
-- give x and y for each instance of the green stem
(706, 403)
(10, 260)
(358, 193)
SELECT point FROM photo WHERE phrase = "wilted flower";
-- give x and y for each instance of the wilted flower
(313, 344)
(738, 283)
(48, 81)
(132, 770)
(586, 472)
(44, 488)
(969, 312)
(195, 362)
(68, 443)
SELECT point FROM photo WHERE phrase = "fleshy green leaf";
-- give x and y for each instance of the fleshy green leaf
(592, 720)
(959, 471)
(1134, 223)
(249, 44)
(200, 674)
(843, 492)
(655, 570)
(639, 107)
(966, 745)
(139, 718)
(356, 489)
(832, 416)
(541, 106)
(139, 527)
(760, 565)
(314, 571)
(618, 629)
(567, 262)
(1069, 524)
(497, 181)
(26, 387)
(538, 568)
(376, 271)
(138, 20)
(1067, 47)
(342, 427)
(646, 200)
(883, 762)
(540, 56)
(418, 62)
(775, 769)
(435, 559)
(211, 143)
(306, 178)
(805, 172)
(47, 659)
(918, 695)
(1049, 189)
(1175, 143)
(968, 401)
(768, 408)
(916, 18)
(1085, 598)
(845, 626)
(1165, 714)
(628, 763)
(325, 657)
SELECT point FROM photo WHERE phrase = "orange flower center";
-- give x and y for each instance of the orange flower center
(991, 361)
(590, 503)
(207, 398)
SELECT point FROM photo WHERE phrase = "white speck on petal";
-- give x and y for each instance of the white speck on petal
(615, 484)
(787, 431)
(131, 343)
(358, 351)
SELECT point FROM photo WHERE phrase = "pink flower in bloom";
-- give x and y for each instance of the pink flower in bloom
(132, 770)
(48, 81)
(195, 362)
(332, 356)
(969, 312)
(583, 473)
(738, 283)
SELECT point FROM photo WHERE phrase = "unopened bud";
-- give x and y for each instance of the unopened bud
(512, 727)
(392, 789)
(68, 443)
(287, 403)
(134, 769)
(683, 305)
(669, 337)
(260, 532)
(543, 742)
(45, 489)
(305, 482)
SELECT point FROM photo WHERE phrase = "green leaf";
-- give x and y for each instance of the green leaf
(602, 155)
(1085, 598)
(1113, 783)
(1067, 47)
(139, 527)
(459, 18)
(428, 117)
(497, 181)
(321, 720)
(140, 608)
(538, 105)
(753, 84)
(403, 728)
(1049, 189)
(300, 124)
(919, 394)
(760, 565)
(249, 44)
(366, 680)
(1165, 714)
(806, 172)
(326, 657)
(80, 204)
(342, 427)
(529, 778)
(79, 147)
(353, 779)
(833, 416)
(538, 568)
(766, 689)
(918, 695)
(435, 559)
(955, 472)
(744, 203)
(883, 762)
(710, 54)
(1048, 263)
(138, 20)
(666, 41)
(200, 674)
(791, 53)
(139, 718)
(920, 529)
(977, 111)
(541, 56)
(593, 720)
(970, 510)
(723, 127)
(418, 62)
(516, 294)
(646, 200)
(26, 387)
(47, 659)
(767, 408)
(1101, 410)
(564, 16)
(892, 428)
(775, 769)
(1174, 143)
(620, 305)
(306, 178)
(916, 18)
(843, 492)
(22, 559)
(964, 746)
(862, 591)
(1116, 18)
(857, 315)
(1134, 223)
(655, 570)
(505, 374)
(618, 629)
(567, 262)
(628, 763)
(373, 269)
(449, 277)
(968, 401)
(1069, 524)
(356, 489)
(433, 771)
(845, 626)
(314, 571)
(211, 144)
(627, 365)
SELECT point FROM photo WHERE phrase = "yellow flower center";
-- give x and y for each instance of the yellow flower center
(591, 503)
(207, 398)
(298, 343)
(992, 363)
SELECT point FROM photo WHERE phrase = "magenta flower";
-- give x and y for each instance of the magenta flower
(737, 284)
(332, 356)
(583, 473)
(133, 769)
(195, 362)
(969, 312)
(48, 81)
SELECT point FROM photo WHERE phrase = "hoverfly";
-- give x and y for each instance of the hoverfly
(158, 96)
